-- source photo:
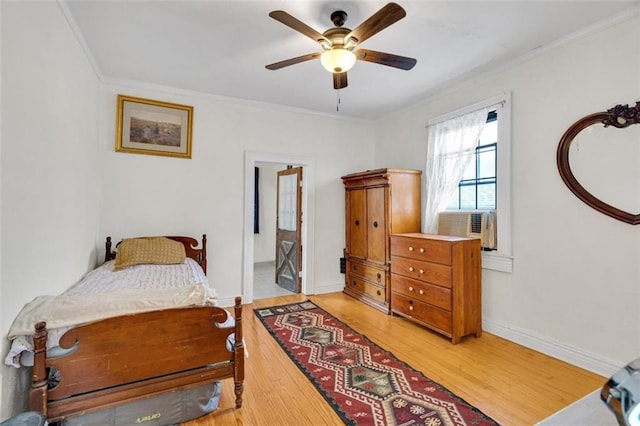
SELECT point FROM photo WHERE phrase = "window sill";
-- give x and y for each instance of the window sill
(497, 262)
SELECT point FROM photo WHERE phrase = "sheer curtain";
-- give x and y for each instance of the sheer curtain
(450, 147)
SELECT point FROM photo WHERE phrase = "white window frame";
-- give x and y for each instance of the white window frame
(502, 258)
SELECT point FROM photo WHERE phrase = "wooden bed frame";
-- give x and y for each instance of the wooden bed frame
(133, 357)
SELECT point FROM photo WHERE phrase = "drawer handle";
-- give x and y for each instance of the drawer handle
(378, 293)
(379, 276)
(357, 222)
(422, 271)
(375, 224)
(410, 268)
(410, 288)
(411, 307)
(421, 250)
(355, 268)
(354, 283)
(410, 248)
(421, 291)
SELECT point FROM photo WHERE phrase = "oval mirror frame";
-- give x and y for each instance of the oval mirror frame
(619, 116)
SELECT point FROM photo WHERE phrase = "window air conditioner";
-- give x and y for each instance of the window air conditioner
(470, 224)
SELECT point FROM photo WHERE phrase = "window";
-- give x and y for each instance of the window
(477, 188)
(479, 170)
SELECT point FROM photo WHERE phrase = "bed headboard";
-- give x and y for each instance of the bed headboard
(190, 247)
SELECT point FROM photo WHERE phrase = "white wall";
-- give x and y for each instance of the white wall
(145, 194)
(50, 198)
(2, 326)
(575, 285)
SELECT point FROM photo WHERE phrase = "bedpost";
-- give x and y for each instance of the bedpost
(238, 351)
(107, 253)
(38, 392)
(203, 264)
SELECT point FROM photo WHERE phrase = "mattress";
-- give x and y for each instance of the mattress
(103, 293)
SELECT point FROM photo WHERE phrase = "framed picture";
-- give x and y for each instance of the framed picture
(153, 127)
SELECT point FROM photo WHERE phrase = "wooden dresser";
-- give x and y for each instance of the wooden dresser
(436, 281)
(377, 203)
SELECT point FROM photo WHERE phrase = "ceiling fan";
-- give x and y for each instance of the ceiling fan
(337, 43)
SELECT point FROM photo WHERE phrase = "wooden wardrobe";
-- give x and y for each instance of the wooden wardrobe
(378, 203)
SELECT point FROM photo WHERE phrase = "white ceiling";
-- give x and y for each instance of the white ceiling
(222, 47)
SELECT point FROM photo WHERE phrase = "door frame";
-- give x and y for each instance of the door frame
(308, 196)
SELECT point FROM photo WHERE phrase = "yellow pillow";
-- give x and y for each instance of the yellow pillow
(149, 250)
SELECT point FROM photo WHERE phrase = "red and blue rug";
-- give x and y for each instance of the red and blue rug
(365, 384)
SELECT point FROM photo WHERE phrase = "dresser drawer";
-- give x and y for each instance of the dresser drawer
(377, 292)
(367, 271)
(424, 292)
(421, 249)
(429, 315)
(434, 273)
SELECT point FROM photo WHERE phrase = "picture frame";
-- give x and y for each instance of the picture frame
(145, 126)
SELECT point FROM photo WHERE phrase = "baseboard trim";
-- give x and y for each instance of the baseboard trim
(573, 355)
(227, 302)
(328, 288)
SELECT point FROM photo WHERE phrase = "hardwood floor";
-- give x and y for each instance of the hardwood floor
(512, 384)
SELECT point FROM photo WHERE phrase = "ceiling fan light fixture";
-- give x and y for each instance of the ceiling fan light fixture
(338, 60)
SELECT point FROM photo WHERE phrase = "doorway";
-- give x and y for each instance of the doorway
(253, 247)
(277, 219)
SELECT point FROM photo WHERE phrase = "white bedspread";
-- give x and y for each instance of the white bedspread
(105, 293)
(144, 277)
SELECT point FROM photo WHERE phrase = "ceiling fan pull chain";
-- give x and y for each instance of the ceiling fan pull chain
(337, 100)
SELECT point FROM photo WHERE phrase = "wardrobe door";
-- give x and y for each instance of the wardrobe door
(357, 223)
(377, 237)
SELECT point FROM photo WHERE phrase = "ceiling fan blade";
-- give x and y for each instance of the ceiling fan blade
(339, 80)
(377, 22)
(301, 27)
(293, 61)
(396, 61)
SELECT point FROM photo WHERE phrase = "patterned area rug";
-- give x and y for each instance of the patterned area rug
(365, 384)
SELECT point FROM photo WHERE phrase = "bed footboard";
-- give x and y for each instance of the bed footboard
(132, 357)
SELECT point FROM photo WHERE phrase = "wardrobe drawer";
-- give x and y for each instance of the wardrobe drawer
(372, 290)
(421, 249)
(429, 315)
(368, 271)
(424, 292)
(423, 271)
